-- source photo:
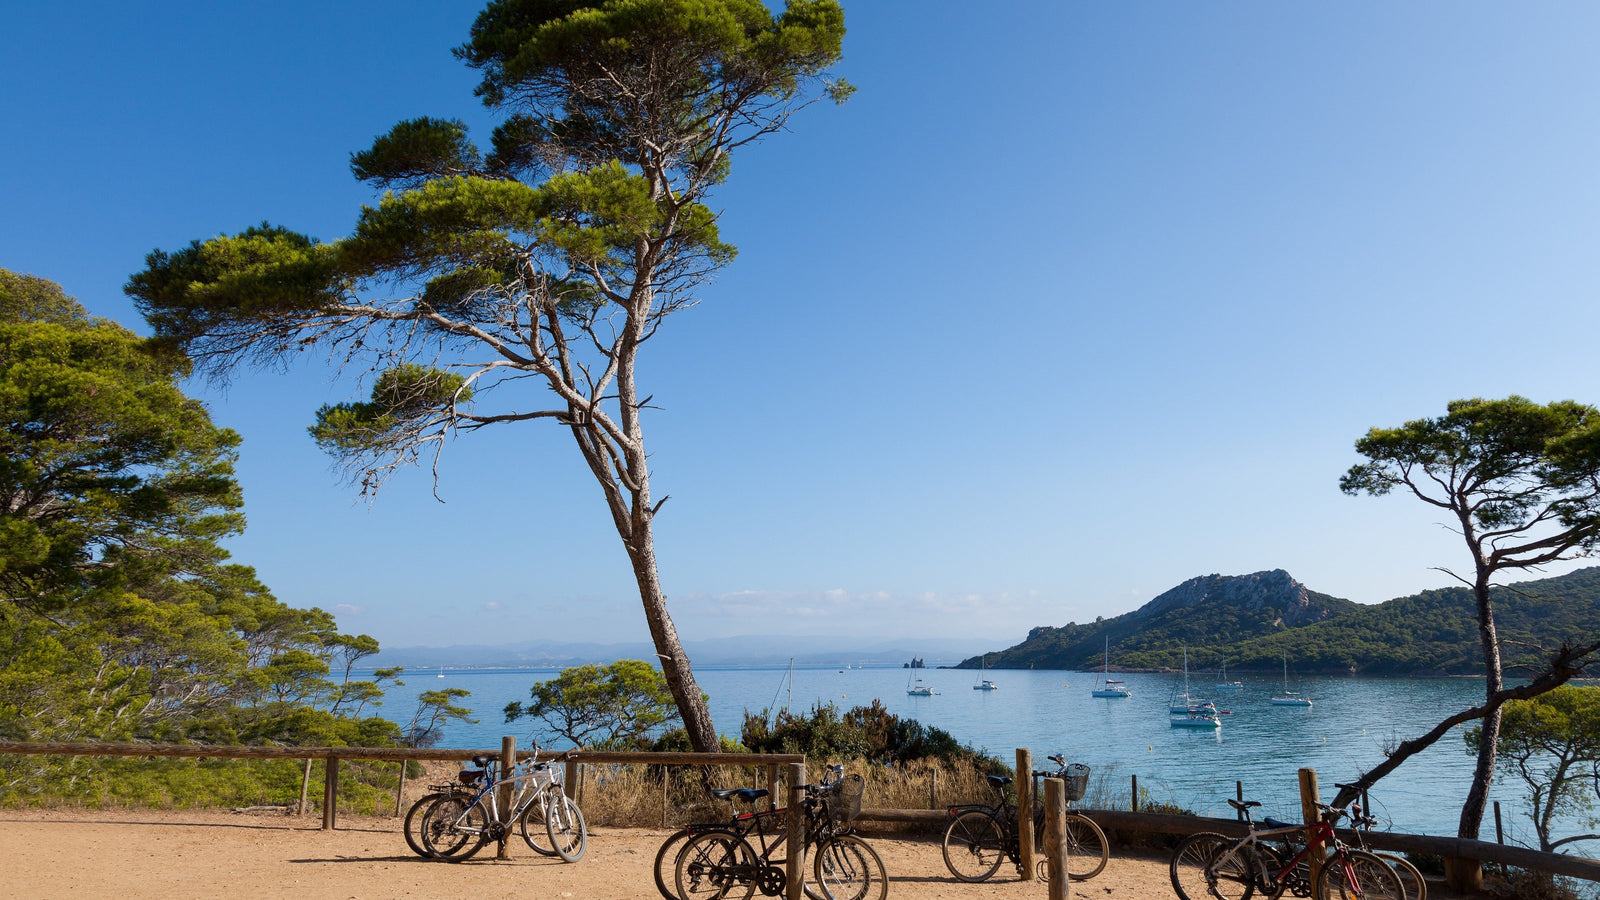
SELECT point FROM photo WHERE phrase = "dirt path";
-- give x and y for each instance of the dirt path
(181, 854)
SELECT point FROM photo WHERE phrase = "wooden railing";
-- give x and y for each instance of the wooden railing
(1450, 848)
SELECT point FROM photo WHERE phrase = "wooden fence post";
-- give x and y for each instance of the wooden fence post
(772, 786)
(1309, 798)
(1055, 836)
(569, 782)
(1025, 811)
(933, 788)
(1238, 794)
(794, 875)
(1134, 806)
(666, 783)
(330, 794)
(508, 768)
(400, 790)
(305, 788)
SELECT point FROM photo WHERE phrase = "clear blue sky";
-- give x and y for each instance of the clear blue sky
(1072, 302)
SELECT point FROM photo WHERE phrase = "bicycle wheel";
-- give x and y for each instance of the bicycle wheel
(1198, 872)
(716, 865)
(1087, 848)
(563, 822)
(454, 828)
(1359, 875)
(974, 846)
(1410, 876)
(667, 864)
(531, 824)
(847, 868)
(414, 822)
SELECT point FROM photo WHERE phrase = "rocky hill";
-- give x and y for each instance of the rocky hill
(1252, 621)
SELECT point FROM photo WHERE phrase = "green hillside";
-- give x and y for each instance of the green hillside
(1251, 621)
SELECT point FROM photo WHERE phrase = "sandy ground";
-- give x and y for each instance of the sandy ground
(178, 854)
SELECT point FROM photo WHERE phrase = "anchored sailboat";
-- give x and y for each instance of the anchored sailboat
(984, 684)
(1106, 686)
(1289, 698)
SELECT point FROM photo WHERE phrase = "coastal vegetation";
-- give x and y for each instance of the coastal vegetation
(122, 617)
(1520, 483)
(523, 282)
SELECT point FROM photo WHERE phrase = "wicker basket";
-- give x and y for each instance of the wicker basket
(1076, 779)
(844, 799)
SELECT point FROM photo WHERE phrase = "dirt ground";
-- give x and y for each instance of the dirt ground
(211, 853)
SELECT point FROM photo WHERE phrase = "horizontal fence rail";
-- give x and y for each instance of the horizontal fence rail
(1112, 820)
(208, 751)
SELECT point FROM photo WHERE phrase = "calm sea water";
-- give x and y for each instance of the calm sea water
(1050, 712)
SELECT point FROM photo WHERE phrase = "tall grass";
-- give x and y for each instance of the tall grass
(635, 795)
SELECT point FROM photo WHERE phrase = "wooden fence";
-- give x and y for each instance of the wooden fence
(1129, 821)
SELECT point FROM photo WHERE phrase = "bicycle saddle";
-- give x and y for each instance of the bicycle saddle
(481, 761)
(743, 795)
(999, 781)
(1241, 806)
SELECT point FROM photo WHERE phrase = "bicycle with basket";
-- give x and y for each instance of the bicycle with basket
(721, 859)
(981, 836)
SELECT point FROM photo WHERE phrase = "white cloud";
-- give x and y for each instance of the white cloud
(349, 609)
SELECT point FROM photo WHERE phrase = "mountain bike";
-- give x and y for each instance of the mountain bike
(979, 836)
(457, 826)
(1362, 820)
(1211, 866)
(719, 860)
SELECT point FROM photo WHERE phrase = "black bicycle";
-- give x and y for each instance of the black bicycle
(721, 860)
(1362, 820)
(980, 837)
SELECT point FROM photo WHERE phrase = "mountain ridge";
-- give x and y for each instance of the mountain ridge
(1252, 622)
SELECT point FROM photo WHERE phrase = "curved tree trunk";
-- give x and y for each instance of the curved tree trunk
(669, 650)
(1483, 774)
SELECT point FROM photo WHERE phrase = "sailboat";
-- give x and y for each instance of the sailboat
(1185, 702)
(984, 684)
(915, 687)
(1224, 684)
(1108, 687)
(1289, 698)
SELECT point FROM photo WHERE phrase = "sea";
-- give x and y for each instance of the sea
(1347, 730)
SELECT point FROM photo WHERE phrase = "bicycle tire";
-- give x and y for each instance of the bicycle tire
(1410, 876)
(667, 864)
(454, 828)
(531, 825)
(974, 846)
(715, 865)
(413, 822)
(1196, 877)
(569, 833)
(847, 868)
(1374, 878)
(1088, 851)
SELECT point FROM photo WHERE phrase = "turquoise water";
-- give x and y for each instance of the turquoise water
(1051, 712)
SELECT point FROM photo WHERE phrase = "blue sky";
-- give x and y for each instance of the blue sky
(1072, 302)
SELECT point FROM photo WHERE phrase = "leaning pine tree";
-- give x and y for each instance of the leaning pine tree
(556, 254)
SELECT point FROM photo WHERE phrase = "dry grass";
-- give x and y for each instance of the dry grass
(634, 796)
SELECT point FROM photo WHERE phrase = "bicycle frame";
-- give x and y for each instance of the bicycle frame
(542, 776)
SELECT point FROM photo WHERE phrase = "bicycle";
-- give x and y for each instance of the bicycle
(979, 836)
(719, 861)
(1362, 820)
(1211, 865)
(456, 827)
(436, 792)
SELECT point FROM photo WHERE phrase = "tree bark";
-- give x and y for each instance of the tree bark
(1483, 775)
(669, 650)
